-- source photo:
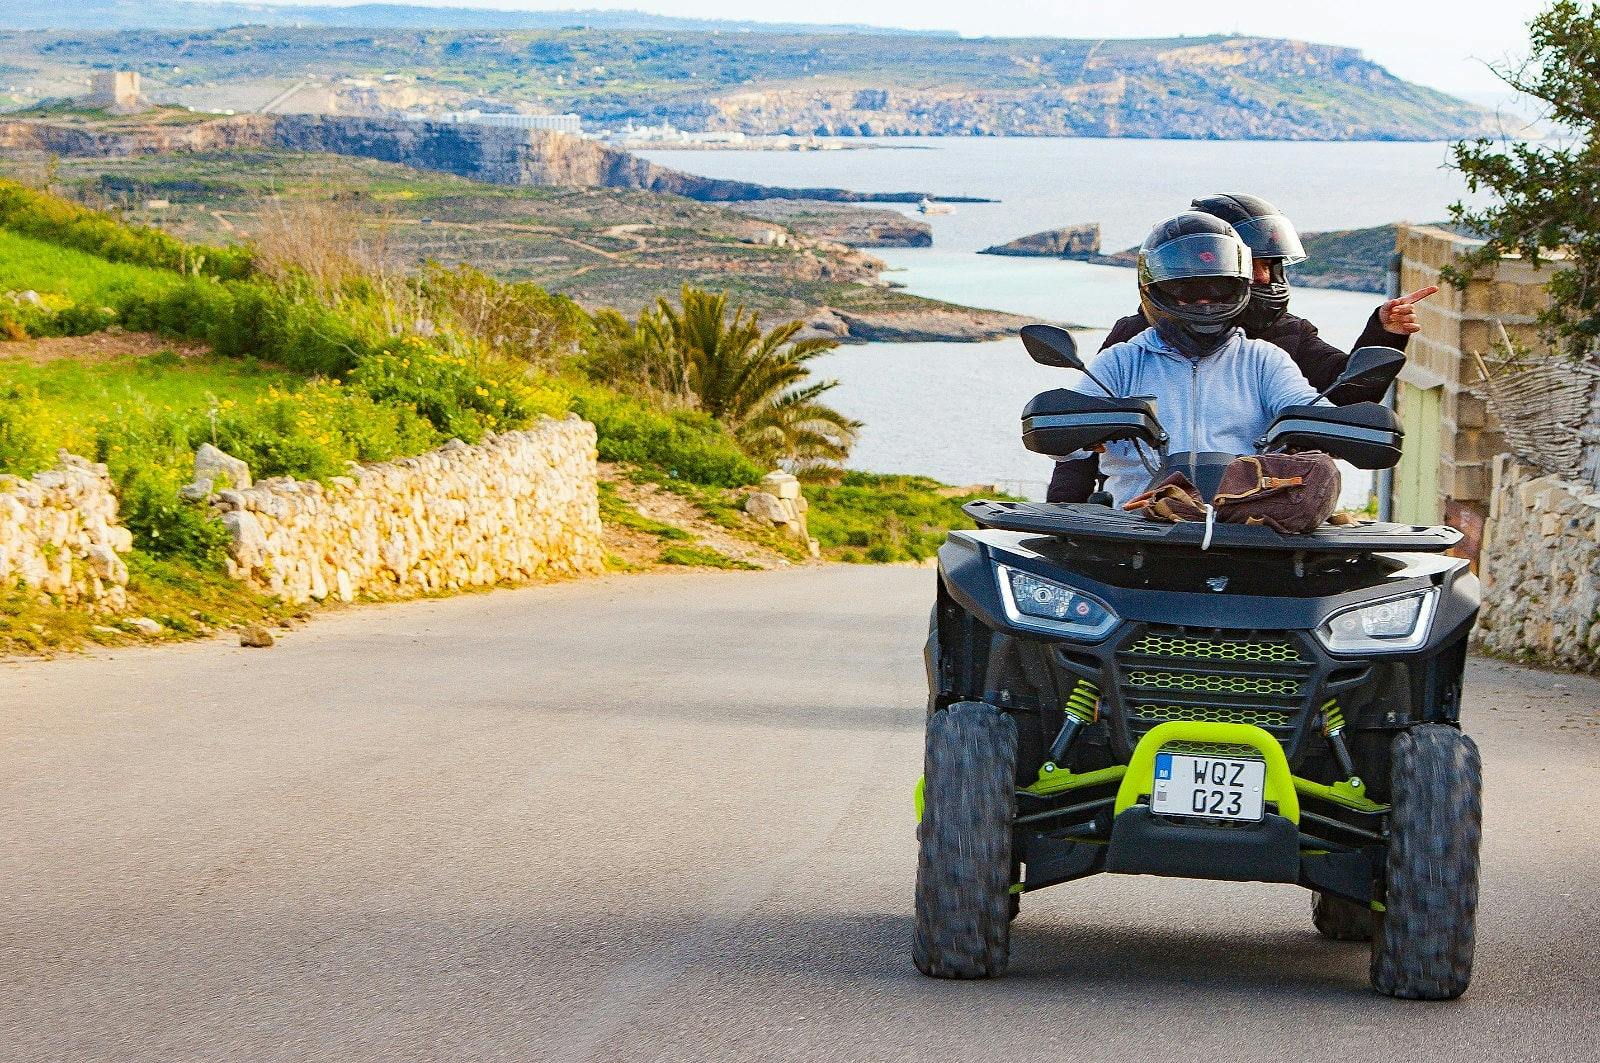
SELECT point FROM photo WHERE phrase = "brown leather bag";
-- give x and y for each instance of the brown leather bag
(1173, 500)
(1290, 493)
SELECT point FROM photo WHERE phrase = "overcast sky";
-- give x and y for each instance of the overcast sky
(1437, 43)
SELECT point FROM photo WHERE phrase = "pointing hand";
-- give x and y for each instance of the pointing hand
(1399, 316)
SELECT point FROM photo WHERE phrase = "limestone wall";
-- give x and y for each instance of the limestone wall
(518, 506)
(59, 535)
(1540, 567)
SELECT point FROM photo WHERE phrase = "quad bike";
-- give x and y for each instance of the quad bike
(1106, 695)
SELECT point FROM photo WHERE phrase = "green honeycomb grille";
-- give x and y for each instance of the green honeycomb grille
(1261, 685)
(1213, 714)
(1182, 647)
(1212, 749)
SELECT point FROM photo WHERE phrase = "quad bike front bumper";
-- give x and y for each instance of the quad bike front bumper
(1282, 846)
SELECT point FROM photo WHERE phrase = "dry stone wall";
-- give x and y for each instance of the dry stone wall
(59, 535)
(1540, 566)
(518, 506)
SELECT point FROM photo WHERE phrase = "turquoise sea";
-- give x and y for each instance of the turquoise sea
(950, 410)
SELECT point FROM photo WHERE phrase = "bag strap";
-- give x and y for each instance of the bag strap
(1263, 483)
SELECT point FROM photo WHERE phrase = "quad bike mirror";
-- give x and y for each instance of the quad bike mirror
(1369, 368)
(1051, 345)
(1054, 345)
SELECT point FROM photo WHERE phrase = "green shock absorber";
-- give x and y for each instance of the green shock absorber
(1333, 728)
(1082, 708)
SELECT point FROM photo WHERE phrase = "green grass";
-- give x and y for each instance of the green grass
(701, 557)
(614, 511)
(27, 263)
(868, 517)
(186, 599)
(83, 396)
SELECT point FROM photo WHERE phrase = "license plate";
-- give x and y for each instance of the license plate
(1213, 787)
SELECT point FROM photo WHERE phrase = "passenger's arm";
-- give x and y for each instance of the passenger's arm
(1125, 329)
(1375, 335)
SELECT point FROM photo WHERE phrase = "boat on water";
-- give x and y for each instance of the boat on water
(928, 206)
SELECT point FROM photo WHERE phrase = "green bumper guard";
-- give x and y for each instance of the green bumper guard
(1140, 777)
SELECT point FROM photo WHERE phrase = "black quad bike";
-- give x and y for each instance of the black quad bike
(1113, 694)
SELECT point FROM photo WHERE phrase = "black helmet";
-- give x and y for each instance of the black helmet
(1194, 279)
(1272, 239)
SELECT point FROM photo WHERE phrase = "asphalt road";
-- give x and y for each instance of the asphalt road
(665, 817)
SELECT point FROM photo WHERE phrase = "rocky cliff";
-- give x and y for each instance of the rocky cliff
(482, 153)
(1072, 241)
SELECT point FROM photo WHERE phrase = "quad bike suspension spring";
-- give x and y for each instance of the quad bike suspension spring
(1333, 729)
(1082, 708)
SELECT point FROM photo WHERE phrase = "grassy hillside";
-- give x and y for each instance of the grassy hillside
(299, 376)
(1212, 87)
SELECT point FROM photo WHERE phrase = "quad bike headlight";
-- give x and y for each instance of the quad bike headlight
(1387, 625)
(1035, 602)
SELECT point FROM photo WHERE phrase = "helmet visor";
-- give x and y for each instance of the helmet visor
(1271, 236)
(1196, 255)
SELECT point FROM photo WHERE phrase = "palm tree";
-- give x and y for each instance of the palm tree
(754, 382)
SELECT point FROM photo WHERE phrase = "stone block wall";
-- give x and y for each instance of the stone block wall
(1540, 567)
(1458, 326)
(59, 535)
(518, 506)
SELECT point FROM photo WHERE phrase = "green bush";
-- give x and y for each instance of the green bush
(163, 525)
(457, 398)
(682, 444)
(25, 431)
(314, 433)
(66, 224)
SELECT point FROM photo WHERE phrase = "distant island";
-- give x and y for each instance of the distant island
(756, 81)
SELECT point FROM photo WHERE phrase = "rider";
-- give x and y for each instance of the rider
(1274, 244)
(1216, 389)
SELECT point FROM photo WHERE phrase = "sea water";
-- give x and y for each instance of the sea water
(950, 410)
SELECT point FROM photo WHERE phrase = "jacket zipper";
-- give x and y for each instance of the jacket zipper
(1194, 422)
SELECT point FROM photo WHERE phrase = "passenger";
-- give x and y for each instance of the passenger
(1215, 388)
(1274, 244)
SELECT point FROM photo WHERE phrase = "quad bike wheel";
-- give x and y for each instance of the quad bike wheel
(964, 896)
(1422, 947)
(1340, 920)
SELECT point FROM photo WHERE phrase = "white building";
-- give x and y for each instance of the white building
(559, 123)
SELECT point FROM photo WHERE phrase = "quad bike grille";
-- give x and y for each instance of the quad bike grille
(1213, 683)
(1179, 674)
(1213, 749)
(1268, 718)
(1187, 647)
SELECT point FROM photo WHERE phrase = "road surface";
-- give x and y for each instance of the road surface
(666, 817)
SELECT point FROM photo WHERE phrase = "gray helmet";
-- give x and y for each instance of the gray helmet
(1194, 279)
(1272, 238)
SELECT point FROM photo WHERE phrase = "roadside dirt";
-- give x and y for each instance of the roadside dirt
(98, 347)
(642, 549)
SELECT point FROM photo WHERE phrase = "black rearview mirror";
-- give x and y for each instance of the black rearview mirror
(1051, 345)
(1369, 369)
(1054, 345)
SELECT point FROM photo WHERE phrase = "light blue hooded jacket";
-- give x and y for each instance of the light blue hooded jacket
(1222, 402)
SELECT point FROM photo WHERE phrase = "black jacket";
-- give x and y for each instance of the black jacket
(1320, 361)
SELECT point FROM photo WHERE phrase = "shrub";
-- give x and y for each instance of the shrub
(25, 431)
(66, 224)
(682, 444)
(163, 525)
(456, 397)
(314, 433)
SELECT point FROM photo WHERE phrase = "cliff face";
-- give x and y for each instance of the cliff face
(482, 153)
(1072, 241)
